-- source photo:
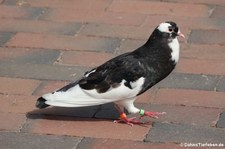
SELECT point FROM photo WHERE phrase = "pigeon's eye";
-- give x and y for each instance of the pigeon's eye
(170, 29)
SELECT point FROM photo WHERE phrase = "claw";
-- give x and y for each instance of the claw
(123, 121)
(129, 121)
(153, 114)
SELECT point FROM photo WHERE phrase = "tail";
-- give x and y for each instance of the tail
(41, 103)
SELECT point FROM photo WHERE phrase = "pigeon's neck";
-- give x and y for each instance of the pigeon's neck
(164, 45)
(175, 47)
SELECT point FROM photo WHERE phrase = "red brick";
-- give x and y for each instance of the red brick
(201, 52)
(184, 23)
(12, 12)
(49, 86)
(48, 41)
(68, 15)
(91, 143)
(17, 103)
(117, 31)
(201, 67)
(12, 121)
(87, 59)
(96, 128)
(159, 8)
(8, 53)
(83, 5)
(147, 97)
(190, 98)
(13, 86)
(38, 26)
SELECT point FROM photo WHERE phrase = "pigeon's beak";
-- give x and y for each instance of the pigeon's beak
(180, 34)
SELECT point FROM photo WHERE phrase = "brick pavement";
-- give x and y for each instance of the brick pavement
(44, 44)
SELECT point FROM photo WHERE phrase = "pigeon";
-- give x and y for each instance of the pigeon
(121, 79)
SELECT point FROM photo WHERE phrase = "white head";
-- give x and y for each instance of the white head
(170, 28)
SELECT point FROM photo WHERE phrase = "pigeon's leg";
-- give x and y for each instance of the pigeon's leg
(123, 117)
(129, 105)
(150, 114)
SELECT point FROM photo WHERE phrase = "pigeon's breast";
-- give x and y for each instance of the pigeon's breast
(175, 47)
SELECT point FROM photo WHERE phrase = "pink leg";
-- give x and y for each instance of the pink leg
(124, 119)
(151, 114)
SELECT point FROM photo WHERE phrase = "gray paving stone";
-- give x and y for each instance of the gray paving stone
(221, 121)
(35, 12)
(42, 56)
(12, 140)
(190, 81)
(85, 143)
(207, 37)
(220, 23)
(221, 85)
(5, 36)
(10, 2)
(67, 28)
(41, 71)
(165, 132)
(101, 44)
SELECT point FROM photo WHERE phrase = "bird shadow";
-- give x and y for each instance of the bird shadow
(106, 111)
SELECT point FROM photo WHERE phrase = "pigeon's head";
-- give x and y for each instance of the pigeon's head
(169, 30)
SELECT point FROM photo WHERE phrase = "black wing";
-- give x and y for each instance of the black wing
(124, 67)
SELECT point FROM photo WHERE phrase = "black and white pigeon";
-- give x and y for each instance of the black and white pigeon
(121, 79)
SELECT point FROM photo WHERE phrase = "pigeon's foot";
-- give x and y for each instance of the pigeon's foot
(129, 121)
(151, 114)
